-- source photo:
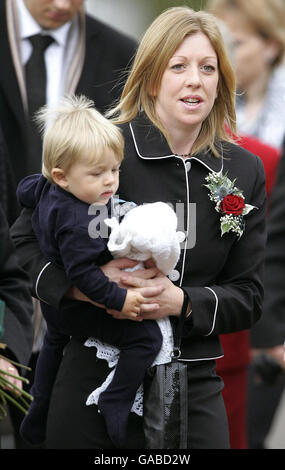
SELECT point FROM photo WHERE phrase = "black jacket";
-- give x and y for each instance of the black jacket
(222, 275)
(107, 54)
(8, 198)
(15, 292)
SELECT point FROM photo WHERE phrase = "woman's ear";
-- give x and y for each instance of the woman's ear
(59, 177)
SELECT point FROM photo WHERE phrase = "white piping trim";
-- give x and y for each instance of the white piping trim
(188, 217)
(171, 155)
(201, 359)
(38, 280)
(209, 168)
(146, 158)
(216, 308)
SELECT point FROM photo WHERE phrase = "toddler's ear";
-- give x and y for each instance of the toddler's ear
(59, 177)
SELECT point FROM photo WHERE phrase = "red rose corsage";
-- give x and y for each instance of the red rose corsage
(229, 202)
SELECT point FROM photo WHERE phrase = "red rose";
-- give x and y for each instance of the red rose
(232, 204)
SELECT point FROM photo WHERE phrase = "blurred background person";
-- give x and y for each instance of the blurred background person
(16, 310)
(8, 198)
(258, 30)
(50, 48)
(267, 376)
(234, 366)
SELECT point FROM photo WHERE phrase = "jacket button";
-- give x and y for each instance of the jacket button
(188, 166)
(174, 275)
(181, 236)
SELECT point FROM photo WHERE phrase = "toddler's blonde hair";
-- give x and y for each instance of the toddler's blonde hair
(75, 131)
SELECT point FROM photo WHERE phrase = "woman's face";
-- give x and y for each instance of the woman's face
(251, 54)
(189, 85)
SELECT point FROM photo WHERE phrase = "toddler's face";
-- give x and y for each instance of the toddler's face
(94, 183)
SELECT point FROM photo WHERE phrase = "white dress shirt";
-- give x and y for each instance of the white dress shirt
(58, 56)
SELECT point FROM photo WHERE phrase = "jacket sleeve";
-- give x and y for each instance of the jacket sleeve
(49, 281)
(79, 253)
(270, 330)
(234, 301)
(15, 293)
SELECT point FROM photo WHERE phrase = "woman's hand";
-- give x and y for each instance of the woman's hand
(170, 299)
(114, 270)
(7, 367)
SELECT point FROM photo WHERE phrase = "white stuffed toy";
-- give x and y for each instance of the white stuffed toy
(146, 231)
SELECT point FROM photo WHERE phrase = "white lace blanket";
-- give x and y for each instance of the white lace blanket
(111, 355)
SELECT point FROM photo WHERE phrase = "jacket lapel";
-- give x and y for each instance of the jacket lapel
(75, 70)
(92, 56)
(151, 144)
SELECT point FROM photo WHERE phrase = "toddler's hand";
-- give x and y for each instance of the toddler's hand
(133, 301)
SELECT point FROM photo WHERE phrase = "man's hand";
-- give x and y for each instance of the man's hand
(7, 368)
(276, 352)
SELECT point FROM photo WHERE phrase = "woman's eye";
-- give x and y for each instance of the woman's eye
(178, 67)
(209, 68)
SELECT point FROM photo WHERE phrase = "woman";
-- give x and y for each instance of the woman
(179, 93)
(258, 32)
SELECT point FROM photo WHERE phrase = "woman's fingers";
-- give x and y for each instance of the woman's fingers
(134, 281)
(147, 273)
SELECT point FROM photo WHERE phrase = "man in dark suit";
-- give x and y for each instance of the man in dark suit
(93, 57)
(16, 333)
(8, 198)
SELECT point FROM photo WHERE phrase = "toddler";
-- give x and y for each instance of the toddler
(82, 152)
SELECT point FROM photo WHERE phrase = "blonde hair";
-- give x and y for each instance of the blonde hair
(266, 18)
(158, 45)
(73, 131)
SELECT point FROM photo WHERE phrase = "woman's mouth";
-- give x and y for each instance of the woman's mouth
(192, 101)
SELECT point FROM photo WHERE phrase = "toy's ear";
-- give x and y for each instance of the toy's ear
(112, 223)
(118, 244)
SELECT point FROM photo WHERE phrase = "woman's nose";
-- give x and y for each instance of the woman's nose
(193, 77)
